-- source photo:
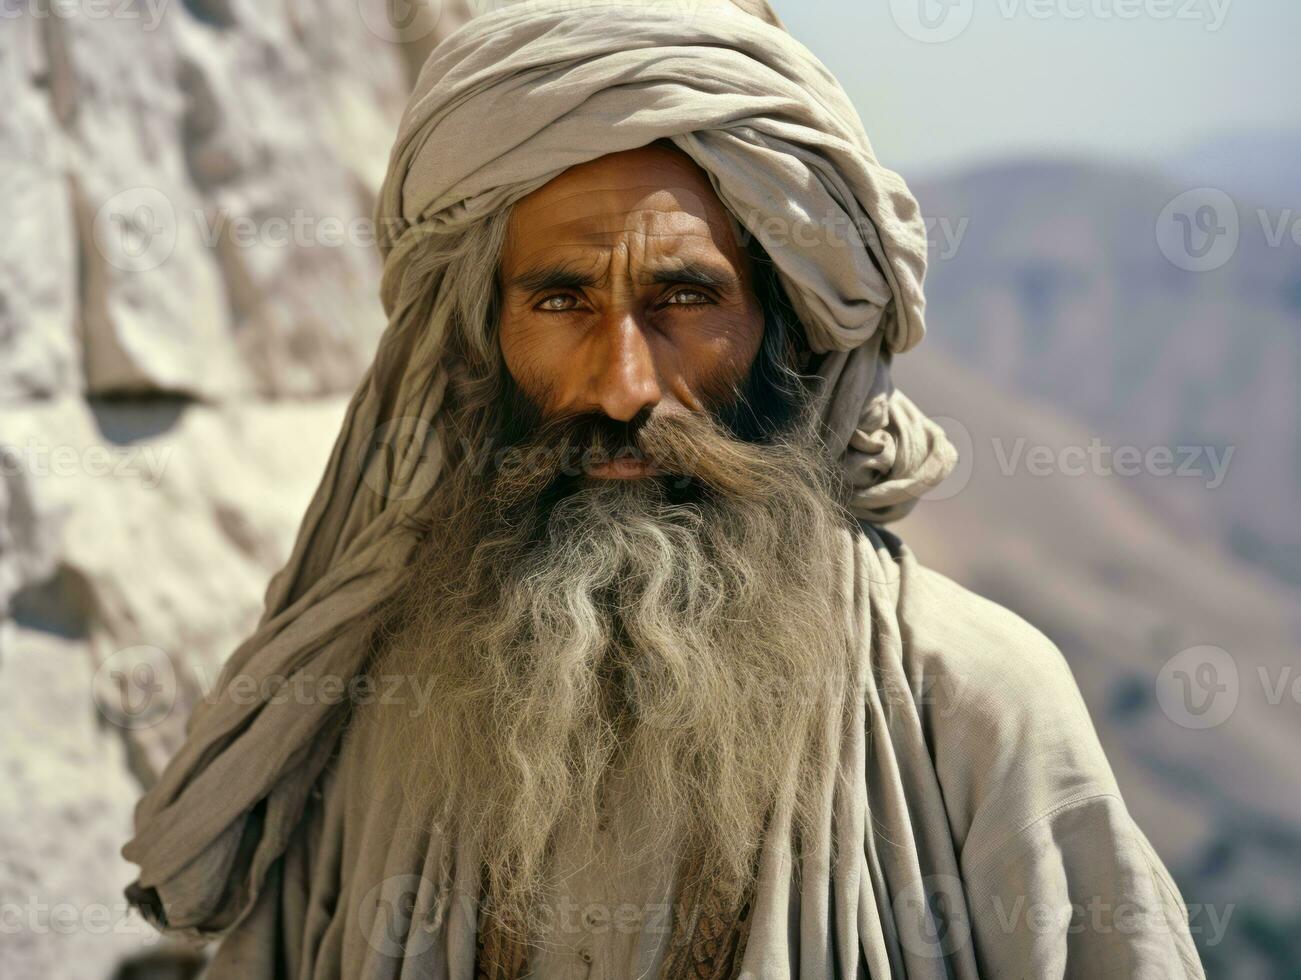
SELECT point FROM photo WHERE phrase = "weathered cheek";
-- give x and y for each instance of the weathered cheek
(750, 338)
(733, 341)
(530, 357)
(714, 354)
(514, 345)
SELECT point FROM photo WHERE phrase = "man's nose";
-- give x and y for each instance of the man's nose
(624, 377)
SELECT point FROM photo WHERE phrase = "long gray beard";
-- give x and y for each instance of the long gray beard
(693, 652)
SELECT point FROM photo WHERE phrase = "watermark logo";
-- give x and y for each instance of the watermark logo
(34, 916)
(953, 484)
(1210, 464)
(390, 916)
(41, 460)
(938, 21)
(932, 21)
(400, 458)
(1199, 230)
(1101, 916)
(135, 687)
(931, 915)
(1211, 14)
(135, 229)
(400, 21)
(148, 12)
(1198, 688)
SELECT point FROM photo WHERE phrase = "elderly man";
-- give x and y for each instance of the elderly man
(603, 665)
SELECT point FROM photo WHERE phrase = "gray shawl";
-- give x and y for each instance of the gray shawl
(250, 835)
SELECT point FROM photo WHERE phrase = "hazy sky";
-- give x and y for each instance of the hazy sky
(1136, 79)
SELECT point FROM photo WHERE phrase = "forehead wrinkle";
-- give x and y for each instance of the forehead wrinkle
(648, 222)
(684, 197)
(710, 213)
(590, 253)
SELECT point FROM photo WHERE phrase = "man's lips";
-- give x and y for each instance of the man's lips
(622, 469)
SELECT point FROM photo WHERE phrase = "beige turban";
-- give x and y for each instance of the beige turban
(504, 105)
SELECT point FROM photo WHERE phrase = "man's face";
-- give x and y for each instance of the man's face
(625, 293)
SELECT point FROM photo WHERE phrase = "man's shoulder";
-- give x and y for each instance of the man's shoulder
(1009, 733)
(946, 629)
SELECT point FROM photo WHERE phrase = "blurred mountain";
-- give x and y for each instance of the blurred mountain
(1259, 165)
(1078, 284)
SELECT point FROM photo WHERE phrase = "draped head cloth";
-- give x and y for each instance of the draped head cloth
(501, 107)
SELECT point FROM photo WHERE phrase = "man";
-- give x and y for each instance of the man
(648, 692)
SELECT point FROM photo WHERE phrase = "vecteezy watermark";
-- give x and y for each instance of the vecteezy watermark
(400, 916)
(298, 229)
(138, 230)
(1211, 14)
(306, 688)
(1099, 915)
(40, 460)
(931, 916)
(1207, 463)
(149, 13)
(400, 21)
(1201, 687)
(38, 917)
(932, 21)
(135, 229)
(401, 458)
(937, 21)
(959, 437)
(1201, 229)
(408, 21)
(838, 229)
(681, 9)
(135, 687)
(944, 236)
(567, 917)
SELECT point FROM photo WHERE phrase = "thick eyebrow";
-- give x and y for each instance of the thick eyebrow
(569, 276)
(695, 274)
(564, 276)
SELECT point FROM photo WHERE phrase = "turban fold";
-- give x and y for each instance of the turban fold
(501, 107)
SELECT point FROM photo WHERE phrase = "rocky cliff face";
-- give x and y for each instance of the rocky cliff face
(188, 294)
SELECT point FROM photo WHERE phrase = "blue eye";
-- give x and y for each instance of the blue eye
(688, 297)
(559, 303)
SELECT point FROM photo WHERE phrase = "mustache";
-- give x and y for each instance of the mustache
(684, 448)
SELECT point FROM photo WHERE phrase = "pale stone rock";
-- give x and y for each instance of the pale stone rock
(39, 348)
(171, 519)
(194, 186)
(65, 809)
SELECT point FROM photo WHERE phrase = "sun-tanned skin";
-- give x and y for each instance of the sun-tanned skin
(624, 289)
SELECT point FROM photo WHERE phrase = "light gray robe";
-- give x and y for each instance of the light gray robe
(994, 841)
